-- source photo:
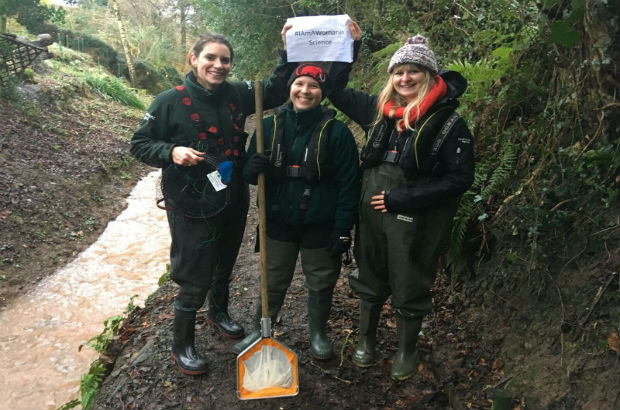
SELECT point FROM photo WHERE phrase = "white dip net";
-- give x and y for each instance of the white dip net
(268, 367)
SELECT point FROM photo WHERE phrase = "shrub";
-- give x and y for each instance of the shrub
(115, 89)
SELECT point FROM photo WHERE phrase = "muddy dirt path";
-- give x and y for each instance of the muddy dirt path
(144, 376)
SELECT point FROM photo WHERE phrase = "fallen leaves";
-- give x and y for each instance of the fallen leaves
(497, 364)
(612, 341)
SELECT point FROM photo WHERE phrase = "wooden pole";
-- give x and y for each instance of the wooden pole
(262, 217)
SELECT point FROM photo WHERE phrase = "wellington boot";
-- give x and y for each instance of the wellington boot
(406, 359)
(275, 303)
(319, 306)
(365, 350)
(250, 338)
(184, 353)
(217, 316)
(224, 324)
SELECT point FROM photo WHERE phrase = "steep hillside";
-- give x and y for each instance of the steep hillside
(64, 169)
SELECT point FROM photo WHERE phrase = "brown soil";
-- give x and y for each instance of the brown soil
(65, 171)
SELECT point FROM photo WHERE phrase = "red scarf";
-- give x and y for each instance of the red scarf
(438, 90)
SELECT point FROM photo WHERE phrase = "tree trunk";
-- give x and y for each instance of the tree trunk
(124, 41)
(183, 18)
(2, 24)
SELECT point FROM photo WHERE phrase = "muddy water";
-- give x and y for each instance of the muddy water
(40, 332)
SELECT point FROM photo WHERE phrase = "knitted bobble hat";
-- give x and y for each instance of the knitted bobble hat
(415, 51)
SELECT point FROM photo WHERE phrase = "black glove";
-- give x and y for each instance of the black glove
(338, 242)
(257, 164)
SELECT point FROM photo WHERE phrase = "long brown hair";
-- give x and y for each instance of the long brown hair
(388, 93)
(203, 41)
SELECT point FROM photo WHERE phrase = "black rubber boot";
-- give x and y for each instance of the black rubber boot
(319, 306)
(367, 339)
(406, 359)
(275, 303)
(217, 316)
(183, 351)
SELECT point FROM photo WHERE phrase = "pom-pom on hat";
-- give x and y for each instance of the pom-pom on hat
(415, 51)
(309, 70)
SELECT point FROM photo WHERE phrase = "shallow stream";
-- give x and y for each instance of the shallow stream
(41, 332)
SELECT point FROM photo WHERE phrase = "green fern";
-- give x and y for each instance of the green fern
(488, 179)
(90, 383)
(480, 76)
(501, 174)
(459, 227)
(100, 342)
(70, 405)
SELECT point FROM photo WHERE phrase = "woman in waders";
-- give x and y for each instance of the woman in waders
(312, 192)
(416, 163)
(194, 132)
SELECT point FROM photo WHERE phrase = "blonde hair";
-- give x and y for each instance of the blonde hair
(388, 93)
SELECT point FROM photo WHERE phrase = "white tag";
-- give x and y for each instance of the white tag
(319, 38)
(216, 180)
(404, 218)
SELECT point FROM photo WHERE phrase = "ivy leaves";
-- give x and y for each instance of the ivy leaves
(564, 31)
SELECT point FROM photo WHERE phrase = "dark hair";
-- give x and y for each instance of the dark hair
(206, 39)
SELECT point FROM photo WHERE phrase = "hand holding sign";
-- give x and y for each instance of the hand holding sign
(319, 38)
(287, 27)
(356, 31)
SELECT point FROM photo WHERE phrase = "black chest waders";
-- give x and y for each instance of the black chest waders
(188, 190)
(314, 162)
(206, 224)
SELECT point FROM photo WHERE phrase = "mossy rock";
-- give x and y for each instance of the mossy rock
(155, 79)
(100, 51)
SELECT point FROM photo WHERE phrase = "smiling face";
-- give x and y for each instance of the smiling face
(408, 80)
(305, 93)
(212, 65)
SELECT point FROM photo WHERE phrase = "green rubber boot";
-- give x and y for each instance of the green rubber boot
(367, 340)
(250, 338)
(406, 359)
(275, 303)
(319, 306)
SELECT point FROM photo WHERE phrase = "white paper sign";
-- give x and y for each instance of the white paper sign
(319, 38)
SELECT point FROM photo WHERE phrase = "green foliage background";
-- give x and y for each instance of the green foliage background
(30, 13)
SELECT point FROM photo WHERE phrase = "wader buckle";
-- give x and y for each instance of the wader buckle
(391, 157)
(292, 171)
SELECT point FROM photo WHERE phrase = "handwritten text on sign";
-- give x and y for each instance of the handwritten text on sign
(319, 38)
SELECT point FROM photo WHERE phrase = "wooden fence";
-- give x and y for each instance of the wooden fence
(16, 55)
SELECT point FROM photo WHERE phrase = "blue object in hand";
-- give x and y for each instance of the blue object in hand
(225, 169)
